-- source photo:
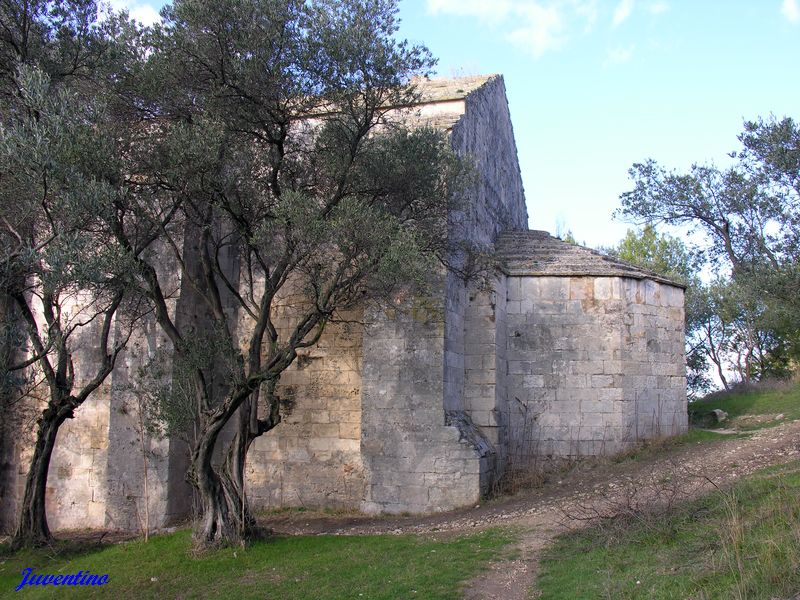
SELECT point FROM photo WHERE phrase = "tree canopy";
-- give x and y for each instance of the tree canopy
(290, 180)
(251, 144)
(63, 279)
(748, 218)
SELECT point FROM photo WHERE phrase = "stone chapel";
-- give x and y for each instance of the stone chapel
(568, 353)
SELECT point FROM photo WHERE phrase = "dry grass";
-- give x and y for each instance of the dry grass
(741, 542)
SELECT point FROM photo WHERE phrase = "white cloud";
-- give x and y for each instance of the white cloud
(622, 12)
(657, 8)
(542, 30)
(493, 11)
(791, 10)
(587, 10)
(145, 14)
(140, 11)
(618, 56)
(536, 26)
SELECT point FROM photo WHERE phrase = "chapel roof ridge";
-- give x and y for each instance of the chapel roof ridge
(442, 89)
(536, 253)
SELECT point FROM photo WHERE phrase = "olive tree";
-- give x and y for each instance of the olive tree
(748, 216)
(298, 198)
(66, 284)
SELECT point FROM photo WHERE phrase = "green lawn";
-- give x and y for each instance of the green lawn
(748, 410)
(744, 544)
(314, 567)
(741, 543)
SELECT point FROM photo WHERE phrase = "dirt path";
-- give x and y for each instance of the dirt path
(580, 497)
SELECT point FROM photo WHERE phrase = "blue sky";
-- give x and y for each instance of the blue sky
(596, 85)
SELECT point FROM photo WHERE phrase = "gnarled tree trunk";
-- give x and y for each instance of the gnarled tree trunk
(225, 519)
(249, 427)
(219, 522)
(32, 529)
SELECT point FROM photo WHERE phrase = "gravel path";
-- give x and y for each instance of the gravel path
(588, 492)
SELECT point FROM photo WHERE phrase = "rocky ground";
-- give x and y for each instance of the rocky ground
(577, 498)
(589, 491)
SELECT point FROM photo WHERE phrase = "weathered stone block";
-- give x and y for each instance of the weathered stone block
(566, 364)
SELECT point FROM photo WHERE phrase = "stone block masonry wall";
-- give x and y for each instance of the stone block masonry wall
(75, 495)
(169, 496)
(102, 450)
(412, 410)
(564, 360)
(474, 345)
(454, 343)
(313, 457)
(18, 426)
(413, 461)
(134, 452)
(483, 134)
(595, 364)
(96, 471)
(76, 484)
(501, 404)
(485, 362)
(486, 136)
(485, 374)
(654, 382)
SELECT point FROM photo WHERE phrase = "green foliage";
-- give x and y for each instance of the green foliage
(748, 212)
(166, 389)
(662, 253)
(736, 329)
(61, 37)
(323, 567)
(741, 543)
(569, 237)
(269, 136)
(730, 208)
(52, 206)
(304, 169)
(258, 147)
(747, 215)
(385, 237)
(669, 257)
(246, 145)
(772, 147)
(60, 265)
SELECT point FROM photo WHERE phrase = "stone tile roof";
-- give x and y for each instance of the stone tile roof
(434, 91)
(538, 254)
(443, 89)
(442, 101)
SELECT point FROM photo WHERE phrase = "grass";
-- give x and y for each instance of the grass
(748, 409)
(739, 543)
(744, 543)
(318, 567)
(651, 448)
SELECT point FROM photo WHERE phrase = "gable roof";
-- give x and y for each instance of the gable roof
(442, 101)
(444, 89)
(538, 254)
